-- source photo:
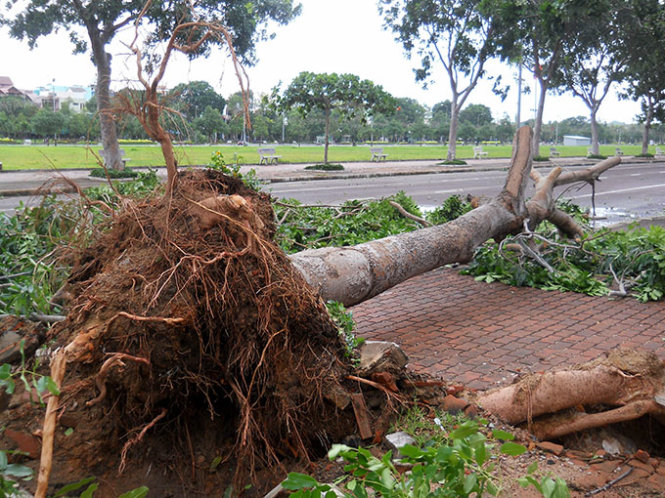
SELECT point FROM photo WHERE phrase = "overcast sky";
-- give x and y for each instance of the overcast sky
(344, 36)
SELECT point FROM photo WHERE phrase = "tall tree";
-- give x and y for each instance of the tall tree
(542, 34)
(642, 43)
(345, 93)
(103, 19)
(453, 32)
(589, 74)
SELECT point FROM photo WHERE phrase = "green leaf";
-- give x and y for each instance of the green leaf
(69, 431)
(411, 451)
(532, 468)
(505, 436)
(90, 491)
(68, 488)
(337, 450)
(5, 371)
(295, 481)
(512, 449)
(136, 493)
(470, 482)
(51, 386)
(17, 470)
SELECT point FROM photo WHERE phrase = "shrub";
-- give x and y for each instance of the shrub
(325, 167)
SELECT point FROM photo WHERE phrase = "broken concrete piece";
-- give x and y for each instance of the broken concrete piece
(397, 440)
(379, 356)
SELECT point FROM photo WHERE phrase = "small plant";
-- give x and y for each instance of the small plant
(596, 156)
(345, 324)
(9, 472)
(541, 158)
(325, 167)
(453, 162)
(218, 163)
(41, 383)
(647, 155)
(460, 466)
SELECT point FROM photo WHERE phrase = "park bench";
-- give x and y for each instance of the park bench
(554, 152)
(479, 153)
(124, 160)
(268, 155)
(618, 151)
(659, 153)
(377, 154)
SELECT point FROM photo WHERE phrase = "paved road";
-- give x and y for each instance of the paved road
(628, 190)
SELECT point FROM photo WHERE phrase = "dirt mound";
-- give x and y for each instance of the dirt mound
(192, 341)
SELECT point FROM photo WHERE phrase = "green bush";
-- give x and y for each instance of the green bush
(113, 173)
(541, 158)
(453, 162)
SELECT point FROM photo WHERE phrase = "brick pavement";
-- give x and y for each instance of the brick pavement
(483, 335)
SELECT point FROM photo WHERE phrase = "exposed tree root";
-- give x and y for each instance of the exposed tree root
(630, 383)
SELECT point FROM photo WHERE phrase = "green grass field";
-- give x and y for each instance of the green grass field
(18, 157)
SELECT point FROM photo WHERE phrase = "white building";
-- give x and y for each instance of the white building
(576, 140)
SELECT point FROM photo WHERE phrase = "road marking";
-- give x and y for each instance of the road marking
(632, 189)
(635, 174)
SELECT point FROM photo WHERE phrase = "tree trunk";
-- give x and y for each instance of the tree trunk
(595, 149)
(647, 125)
(102, 61)
(327, 135)
(452, 132)
(351, 275)
(538, 124)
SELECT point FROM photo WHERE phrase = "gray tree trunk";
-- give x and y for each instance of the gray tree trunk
(595, 149)
(538, 124)
(353, 274)
(452, 132)
(102, 60)
(647, 125)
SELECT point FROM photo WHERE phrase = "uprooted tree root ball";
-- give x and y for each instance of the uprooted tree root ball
(188, 327)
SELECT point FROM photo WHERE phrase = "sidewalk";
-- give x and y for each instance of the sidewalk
(28, 182)
(483, 335)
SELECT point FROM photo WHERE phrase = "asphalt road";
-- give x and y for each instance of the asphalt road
(624, 192)
(627, 191)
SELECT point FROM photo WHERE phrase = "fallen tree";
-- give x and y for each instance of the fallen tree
(353, 274)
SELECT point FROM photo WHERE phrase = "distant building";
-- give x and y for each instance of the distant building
(7, 88)
(576, 140)
(54, 97)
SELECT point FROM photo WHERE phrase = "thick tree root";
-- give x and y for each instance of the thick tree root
(630, 383)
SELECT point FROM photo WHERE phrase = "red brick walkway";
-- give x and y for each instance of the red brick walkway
(483, 334)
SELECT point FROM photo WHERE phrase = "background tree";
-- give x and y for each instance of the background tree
(642, 45)
(542, 34)
(102, 20)
(589, 74)
(192, 98)
(46, 123)
(210, 124)
(453, 32)
(345, 93)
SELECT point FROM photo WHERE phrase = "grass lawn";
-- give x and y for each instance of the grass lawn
(16, 157)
